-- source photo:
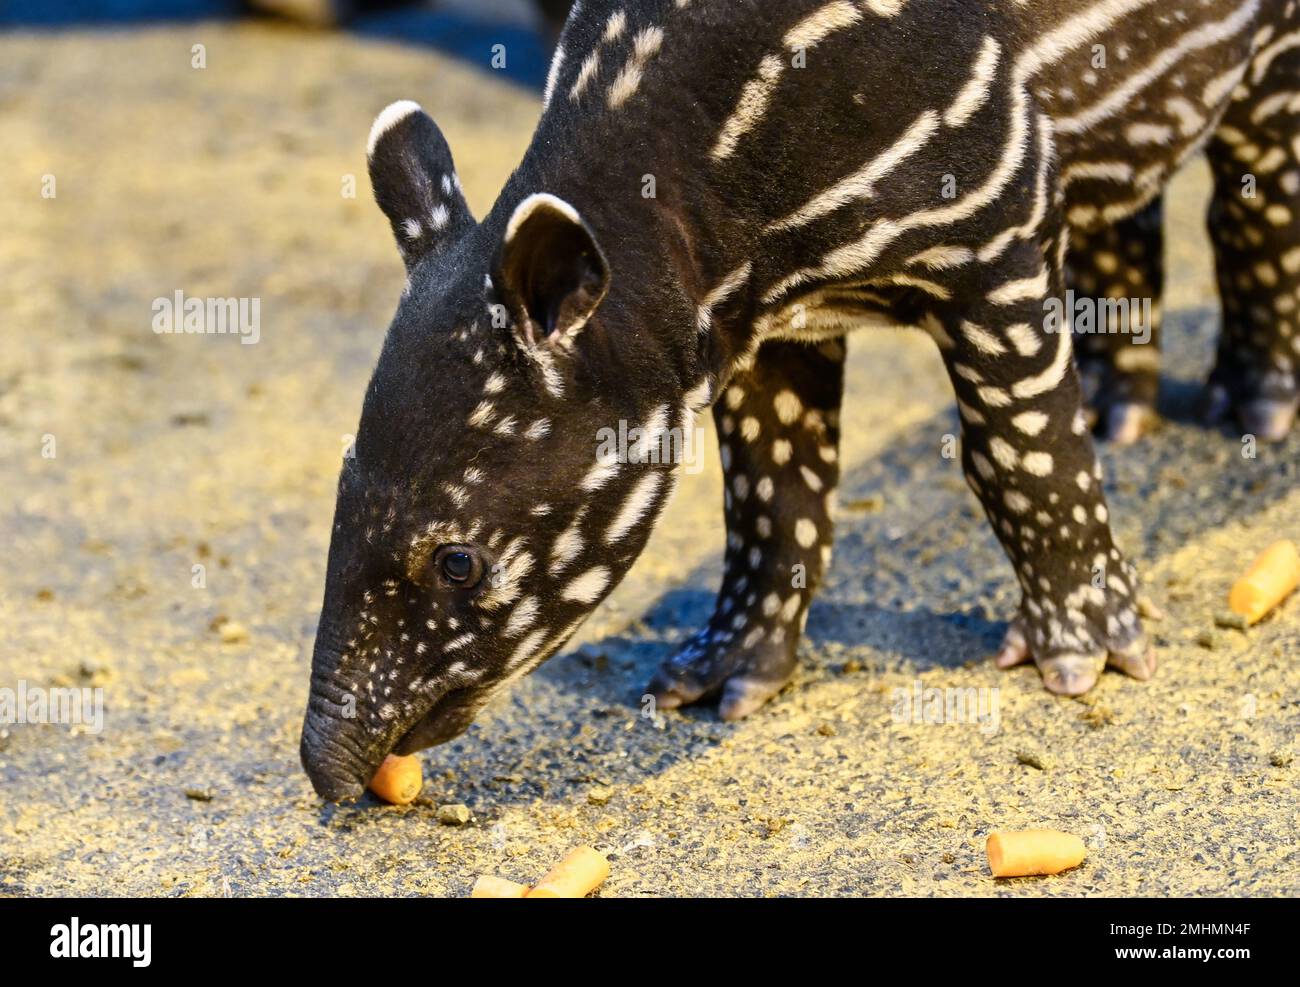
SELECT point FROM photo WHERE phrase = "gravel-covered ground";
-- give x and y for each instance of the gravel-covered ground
(175, 451)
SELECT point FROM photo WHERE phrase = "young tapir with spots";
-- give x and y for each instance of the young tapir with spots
(716, 194)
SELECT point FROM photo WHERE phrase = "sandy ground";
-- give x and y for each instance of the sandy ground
(177, 451)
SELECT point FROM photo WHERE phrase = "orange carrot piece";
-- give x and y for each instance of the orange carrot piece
(576, 876)
(398, 780)
(1022, 853)
(488, 886)
(1270, 579)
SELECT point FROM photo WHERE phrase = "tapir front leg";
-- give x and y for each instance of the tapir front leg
(778, 430)
(1029, 458)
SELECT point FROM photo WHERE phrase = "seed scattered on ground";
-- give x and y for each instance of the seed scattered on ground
(1230, 620)
(1097, 716)
(1148, 610)
(230, 631)
(865, 505)
(774, 825)
(1034, 759)
(453, 815)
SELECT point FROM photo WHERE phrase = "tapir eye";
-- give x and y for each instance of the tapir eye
(459, 565)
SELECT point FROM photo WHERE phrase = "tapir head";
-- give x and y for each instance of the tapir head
(505, 474)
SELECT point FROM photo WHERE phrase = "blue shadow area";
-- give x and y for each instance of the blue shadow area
(527, 55)
(474, 41)
(98, 13)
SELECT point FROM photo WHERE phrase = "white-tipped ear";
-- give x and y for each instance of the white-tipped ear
(415, 182)
(536, 201)
(389, 116)
(550, 269)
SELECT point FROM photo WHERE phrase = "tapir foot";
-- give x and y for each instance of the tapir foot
(1120, 405)
(1072, 673)
(1262, 403)
(716, 664)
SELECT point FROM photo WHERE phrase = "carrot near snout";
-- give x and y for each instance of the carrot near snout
(398, 780)
(1269, 580)
(1028, 852)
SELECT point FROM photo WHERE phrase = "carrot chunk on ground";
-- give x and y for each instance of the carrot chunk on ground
(1028, 852)
(576, 876)
(1270, 579)
(488, 886)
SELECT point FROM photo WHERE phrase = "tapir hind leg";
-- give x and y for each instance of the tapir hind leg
(1254, 222)
(1119, 363)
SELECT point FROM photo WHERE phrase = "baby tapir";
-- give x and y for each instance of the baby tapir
(715, 195)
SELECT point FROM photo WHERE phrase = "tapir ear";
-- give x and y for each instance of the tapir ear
(415, 182)
(550, 270)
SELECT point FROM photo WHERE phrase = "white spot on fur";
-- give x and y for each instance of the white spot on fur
(587, 587)
(805, 532)
(1005, 455)
(1037, 463)
(1030, 422)
(788, 407)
